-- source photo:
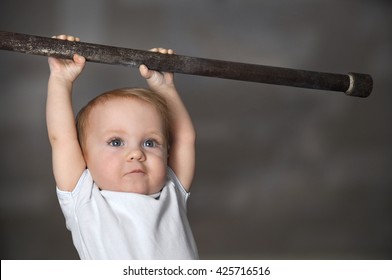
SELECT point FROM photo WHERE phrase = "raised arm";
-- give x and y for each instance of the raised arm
(182, 150)
(67, 157)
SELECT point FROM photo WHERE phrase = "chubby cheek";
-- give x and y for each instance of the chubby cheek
(159, 179)
(158, 163)
(103, 168)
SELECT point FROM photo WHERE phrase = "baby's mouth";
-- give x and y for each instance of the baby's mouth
(136, 172)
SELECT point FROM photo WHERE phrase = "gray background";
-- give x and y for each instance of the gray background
(282, 173)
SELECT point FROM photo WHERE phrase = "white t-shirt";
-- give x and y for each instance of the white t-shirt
(119, 225)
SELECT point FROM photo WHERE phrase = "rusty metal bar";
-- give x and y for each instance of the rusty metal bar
(353, 84)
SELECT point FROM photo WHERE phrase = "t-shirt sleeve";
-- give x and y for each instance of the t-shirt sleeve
(69, 200)
(179, 187)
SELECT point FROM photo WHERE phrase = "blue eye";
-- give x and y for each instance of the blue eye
(116, 142)
(149, 143)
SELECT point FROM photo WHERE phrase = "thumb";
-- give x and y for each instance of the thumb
(145, 72)
(79, 59)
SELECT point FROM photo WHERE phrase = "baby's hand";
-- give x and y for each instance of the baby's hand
(156, 79)
(66, 69)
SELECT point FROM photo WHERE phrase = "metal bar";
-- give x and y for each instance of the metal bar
(353, 84)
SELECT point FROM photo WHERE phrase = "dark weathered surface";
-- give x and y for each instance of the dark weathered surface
(361, 87)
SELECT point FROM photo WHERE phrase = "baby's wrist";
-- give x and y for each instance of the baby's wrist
(60, 83)
(60, 80)
(163, 88)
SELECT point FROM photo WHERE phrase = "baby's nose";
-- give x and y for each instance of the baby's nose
(136, 154)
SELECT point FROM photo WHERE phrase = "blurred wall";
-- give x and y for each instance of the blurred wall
(282, 172)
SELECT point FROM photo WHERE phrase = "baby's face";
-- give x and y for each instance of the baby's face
(125, 147)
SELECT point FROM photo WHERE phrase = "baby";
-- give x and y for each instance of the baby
(124, 170)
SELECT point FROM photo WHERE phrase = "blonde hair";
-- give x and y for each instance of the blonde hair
(148, 96)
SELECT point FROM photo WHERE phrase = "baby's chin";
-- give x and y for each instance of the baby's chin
(138, 189)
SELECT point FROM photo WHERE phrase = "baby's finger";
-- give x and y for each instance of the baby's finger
(67, 37)
(79, 59)
(61, 37)
(72, 38)
(162, 50)
(145, 72)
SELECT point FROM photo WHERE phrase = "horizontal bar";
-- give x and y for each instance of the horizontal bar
(353, 84)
